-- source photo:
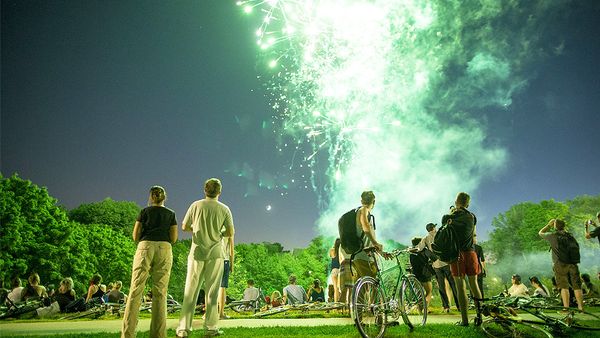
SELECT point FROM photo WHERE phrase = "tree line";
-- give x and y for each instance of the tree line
(39, 235)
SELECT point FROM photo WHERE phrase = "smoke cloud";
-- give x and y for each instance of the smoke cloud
(391, 96)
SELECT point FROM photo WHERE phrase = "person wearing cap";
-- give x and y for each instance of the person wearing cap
(441, 269)
(517, 289)
(596, 231)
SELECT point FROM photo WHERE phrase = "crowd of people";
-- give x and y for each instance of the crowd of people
(64, 299)
(211, 262)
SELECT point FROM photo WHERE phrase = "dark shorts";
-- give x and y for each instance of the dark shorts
(467, 264)
(226, 269)
(567, 275)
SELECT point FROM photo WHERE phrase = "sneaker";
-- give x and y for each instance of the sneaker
(213, 333)
(181, 334)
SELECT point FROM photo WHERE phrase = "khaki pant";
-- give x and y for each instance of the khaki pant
(349, 276)
(152, 259)
(211, 272)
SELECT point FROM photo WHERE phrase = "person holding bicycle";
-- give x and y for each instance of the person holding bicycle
(420, 262)
(596, 231)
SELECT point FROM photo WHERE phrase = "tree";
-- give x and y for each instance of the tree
(33, 230)
(516, 231)
(119, 215)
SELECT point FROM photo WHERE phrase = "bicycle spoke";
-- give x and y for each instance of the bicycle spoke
(368, 308)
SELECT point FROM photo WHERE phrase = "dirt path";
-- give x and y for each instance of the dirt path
(8, 329)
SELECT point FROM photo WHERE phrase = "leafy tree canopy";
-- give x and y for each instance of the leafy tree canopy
(119, 215)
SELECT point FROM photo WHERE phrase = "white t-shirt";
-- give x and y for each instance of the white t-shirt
(518, 290)
(15, 294)
(206, 218)
(251, 293)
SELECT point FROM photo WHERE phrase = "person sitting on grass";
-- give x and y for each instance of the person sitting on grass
(316, 293)
(33, 290)
(116, 295)
(294, 294)
(276, 299)
(251, 292)
(94, 291)
(15, 294)
(540, 289)
(65, 294)
(589, 289)
(517, 289)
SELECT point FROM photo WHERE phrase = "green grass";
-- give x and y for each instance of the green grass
(348, 331)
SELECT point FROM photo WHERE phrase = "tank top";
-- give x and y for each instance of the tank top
(335, 262)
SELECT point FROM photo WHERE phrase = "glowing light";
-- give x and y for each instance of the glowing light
(374, 87)
(268, 207)
(248, 9)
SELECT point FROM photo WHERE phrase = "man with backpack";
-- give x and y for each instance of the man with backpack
(565, 256)
(357, 231)
(442, 269)
(465, 267)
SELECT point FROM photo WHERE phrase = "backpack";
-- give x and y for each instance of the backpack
(350, 240)
(445, 244)
(568, 248)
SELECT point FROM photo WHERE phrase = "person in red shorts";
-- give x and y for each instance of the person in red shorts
(463, 222)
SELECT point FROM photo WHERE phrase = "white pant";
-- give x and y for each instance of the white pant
(211, 272)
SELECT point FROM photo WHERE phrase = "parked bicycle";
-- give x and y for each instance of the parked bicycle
(9, 309)
(379, 302)
(247, 306)
(305, 307)
(536, 319)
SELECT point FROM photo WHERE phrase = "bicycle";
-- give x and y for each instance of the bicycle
(304, 307)
(393, 293)
(252, 305)
(545, 320)
(15, 310)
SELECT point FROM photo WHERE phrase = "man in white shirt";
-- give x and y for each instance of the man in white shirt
(205, 218)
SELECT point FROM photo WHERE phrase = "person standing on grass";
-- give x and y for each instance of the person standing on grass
(442, 270)
(467, 265)
(206, 219)
(565, 257)
(227, 269)
(155, 229)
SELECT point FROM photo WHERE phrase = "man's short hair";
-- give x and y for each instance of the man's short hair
(416, 240)
(367, 197)
(463, 199)
(118, 285)
(292, 279)
(430, 226)
(212, 187)
(250, 282)
(559, 224)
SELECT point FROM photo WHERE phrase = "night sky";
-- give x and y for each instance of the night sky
(106, 98)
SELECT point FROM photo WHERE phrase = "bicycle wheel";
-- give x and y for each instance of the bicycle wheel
(271, 311)
(573, 318)
(500, 328)
(368, 308)
(413, 304)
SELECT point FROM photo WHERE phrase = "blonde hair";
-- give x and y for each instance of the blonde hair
(68, 283)
(34, 278)
(212, 187)
(157, 194)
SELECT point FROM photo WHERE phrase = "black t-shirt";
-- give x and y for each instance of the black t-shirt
(463, 222)
(156, 222)
(64, 299)
(595, 233)
(421, 266)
